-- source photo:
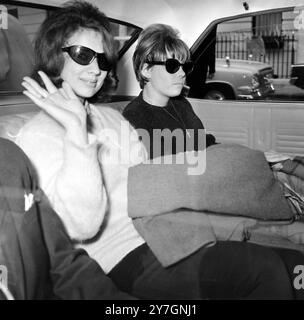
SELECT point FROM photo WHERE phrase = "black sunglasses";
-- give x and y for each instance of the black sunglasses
(84, 56)
(173, 65)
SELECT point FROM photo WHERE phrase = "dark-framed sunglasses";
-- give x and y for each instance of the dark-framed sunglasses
(172, 65)
(84, 56)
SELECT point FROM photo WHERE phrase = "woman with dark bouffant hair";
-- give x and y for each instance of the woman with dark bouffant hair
(54, 34)
(71, 141)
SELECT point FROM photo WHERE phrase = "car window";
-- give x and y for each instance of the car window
(19, 26)
(251, 57)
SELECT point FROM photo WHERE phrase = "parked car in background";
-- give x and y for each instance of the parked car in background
(297, 75)
(239, 79)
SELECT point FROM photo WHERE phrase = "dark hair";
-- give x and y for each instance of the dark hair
(155, 43)
(55, 31)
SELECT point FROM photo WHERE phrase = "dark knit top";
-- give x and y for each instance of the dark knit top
(178, 114)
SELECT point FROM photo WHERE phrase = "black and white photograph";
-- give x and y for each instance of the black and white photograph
(152, 153)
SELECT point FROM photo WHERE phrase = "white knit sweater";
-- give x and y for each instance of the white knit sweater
(87, 186)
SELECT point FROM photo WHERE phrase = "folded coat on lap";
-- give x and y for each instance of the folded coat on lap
(171, 209)
(237, 181)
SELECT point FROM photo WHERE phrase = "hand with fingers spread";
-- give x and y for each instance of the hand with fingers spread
(61, 104)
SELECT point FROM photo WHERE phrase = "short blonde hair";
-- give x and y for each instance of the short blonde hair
(155, 43)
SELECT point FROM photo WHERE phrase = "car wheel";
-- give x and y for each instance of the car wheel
(215, 95)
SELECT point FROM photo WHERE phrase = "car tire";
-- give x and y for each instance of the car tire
(215, 95)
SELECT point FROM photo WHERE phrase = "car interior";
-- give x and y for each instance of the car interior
(246, 87)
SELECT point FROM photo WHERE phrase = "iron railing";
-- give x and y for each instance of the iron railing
(278, 51)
